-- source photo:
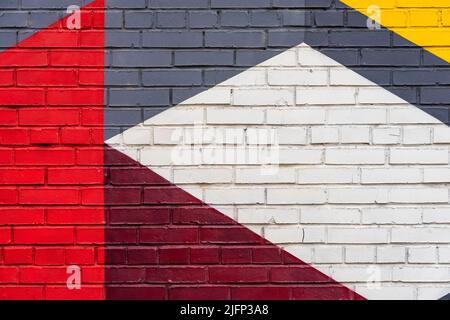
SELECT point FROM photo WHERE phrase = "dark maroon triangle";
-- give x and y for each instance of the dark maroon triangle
(163, 243)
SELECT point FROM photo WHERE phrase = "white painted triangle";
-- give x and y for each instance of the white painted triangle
(319, 160)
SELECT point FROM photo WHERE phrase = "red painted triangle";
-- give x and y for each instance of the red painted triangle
(51, 149)
(163, 243)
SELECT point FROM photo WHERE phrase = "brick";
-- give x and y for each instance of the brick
(386, 135)
(172, 39)
(323, 135)
(434, 216)
(44, 136)
(231, 274)
(237, 255)
(22, 292)
(26, 235)
(168, 195)
(419, 196)
(13, 19)
(130, 292)
(142, 256)
(139, 97)
(357, 235)
(256, 176)
(48, 196)
(327, 254)
(357, 116)
(355, 135)
(89, 156)
(329, 18)
(14, 137)
(234, 18)
(171, 78)
(355, 156)
(380, 216)
(8, 117)
(330, 216)
(265, 18)
(194, 4)
(396, 176)
(295, 196)
(269, 255)
(139, 19)
(139, 215)
(390, 57)
(176, 275)
(72, 216)
(359, 254)
(354, 195)
(234, 196)
(218, 235)
(413, 274)
(359, 38)
(328, 96)
(84, 97)
(49, 117)
(141, 58)
(75, 176)
(95, 292)
(18, 255)
(204, 58)
(49, 256)
(21, 216)
(205, 255)
(298, 77)
(36, 275)
(418, 156)
(425, 234)
(8, 196)
(125, 275)
(225, 116)
(203, 175)
(302, 274)
(325, 292)
(279, 235)
(5, 235)
(174, 256)
(22, 97)
(6, 78)
(76, 136)
(422, 255)
(48, 77)
(80, 256)
(295, 116)
(234, 39)
(169, 235)
(203, 19)
(416, 136)
(8, 274)
(72, 58)
(240, 4)
(97, 235)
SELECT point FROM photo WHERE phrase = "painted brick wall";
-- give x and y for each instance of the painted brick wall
(363, 177)
(51, 137)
